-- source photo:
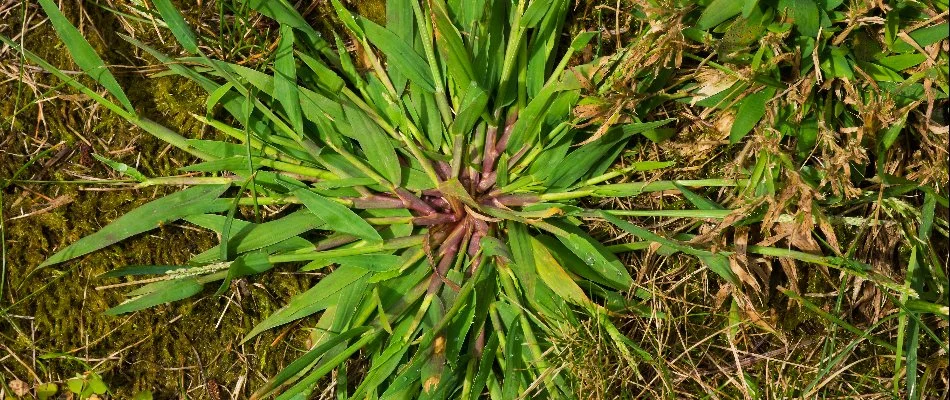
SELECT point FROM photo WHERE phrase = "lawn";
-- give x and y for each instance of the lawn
(446, 199)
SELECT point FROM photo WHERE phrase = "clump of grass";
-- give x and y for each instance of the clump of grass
(446, 178)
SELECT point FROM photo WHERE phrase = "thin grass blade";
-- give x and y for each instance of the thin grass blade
(83, 53)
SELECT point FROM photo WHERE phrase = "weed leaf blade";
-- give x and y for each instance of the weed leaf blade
(83, 53)
(337, 217)
(177, 24)
(191, 201)
(751, 110)
(322, 295)
(163, 292)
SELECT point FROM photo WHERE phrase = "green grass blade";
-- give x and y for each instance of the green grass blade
(177, 24)
(807, 16)
(535, 12)
(326, 77)
(67, 79)
(514, 361)
(285, 78)
(840, 322)
(375, 144)
(751, 110)
(322, 295)
(554, 276)
(473, 104)
(245, 265)
(160, 293)
(83, 53)
(285, 14)
(484, 367)
(385, 363)
(399, 54)
(924, 37)
(718, 263)
(196, 200)
(701, 202)
(137, 270)
(300, 365)
(717, 12)
(372, 262)
(912, 344)
(401, 22)
(522, 252)
(255, 236)
(544, 39)
(701, 213)
(337, 217)
(594, 254)
(303, 387)
(457, 57)
(576, 266)
(582, 160)
(122, 168)
(848, 351)
(637, 188)
(748, 6)
(348, 20)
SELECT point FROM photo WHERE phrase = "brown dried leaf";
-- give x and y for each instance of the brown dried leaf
(19, 387)
(724, 291)
(791, 272)
(828, 230)
(739, 261)
(602, 130)
(756, 318)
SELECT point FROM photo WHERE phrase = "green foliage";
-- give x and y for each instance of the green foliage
(83, 54)
(443, 185)
(87, 385)
(46, 390)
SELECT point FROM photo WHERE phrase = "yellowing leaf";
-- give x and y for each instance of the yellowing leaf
(554, 276)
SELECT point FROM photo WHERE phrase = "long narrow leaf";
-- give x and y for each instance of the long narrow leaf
(319, 297)
(83, 53)
(195, 200)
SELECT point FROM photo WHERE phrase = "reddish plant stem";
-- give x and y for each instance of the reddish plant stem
(447, 251)
(436, 235)
(440, 204)
(488, 180)
(456, 206)
(443, 169)
(414, 203)
(490, 152)
(517, 157)
(475, 181)
(506, 135)
(454, 239)
(376, 201)
(480, 231)
(466, 179)
(435, 219)
(475, 158)
(480, 343)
